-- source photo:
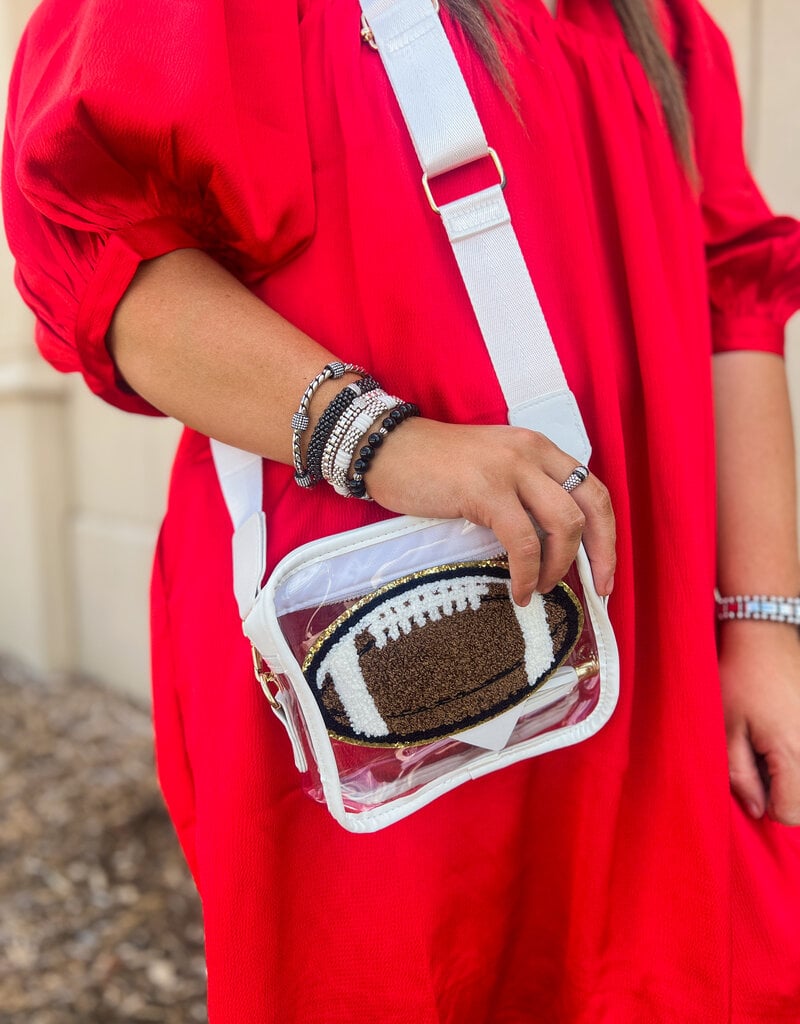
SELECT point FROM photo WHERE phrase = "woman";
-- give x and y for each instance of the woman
(207, 202)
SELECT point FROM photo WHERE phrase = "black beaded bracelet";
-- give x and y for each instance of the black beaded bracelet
(327, 421)
(393, 419)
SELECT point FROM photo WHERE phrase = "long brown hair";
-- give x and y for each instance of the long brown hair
(479, 17)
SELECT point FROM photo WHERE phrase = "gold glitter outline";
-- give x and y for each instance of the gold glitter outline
(492, 563)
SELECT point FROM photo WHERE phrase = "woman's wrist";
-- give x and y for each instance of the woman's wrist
(372, 443)
(398, 462)
(742, 636)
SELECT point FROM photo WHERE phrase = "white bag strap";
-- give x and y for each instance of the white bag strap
(446, 132)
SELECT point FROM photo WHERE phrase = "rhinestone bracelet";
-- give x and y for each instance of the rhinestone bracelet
(765, 607)
(300, 420)
(356, 487)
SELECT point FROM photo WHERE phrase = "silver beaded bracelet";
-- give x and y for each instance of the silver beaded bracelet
(770, 608)
(300, 420)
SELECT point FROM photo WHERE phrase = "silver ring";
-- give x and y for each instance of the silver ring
(576, 478)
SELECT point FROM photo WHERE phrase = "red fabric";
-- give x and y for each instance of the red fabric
(611, 883)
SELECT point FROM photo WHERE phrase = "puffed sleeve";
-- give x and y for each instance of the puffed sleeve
(753, 255)
(136, 127)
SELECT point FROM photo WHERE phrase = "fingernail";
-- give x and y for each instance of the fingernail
(523, 603)
(754, 809)
(610, 584)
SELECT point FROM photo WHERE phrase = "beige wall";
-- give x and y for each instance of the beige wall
(33, 597)
(765, 35)
(83, 489)
(83, 486)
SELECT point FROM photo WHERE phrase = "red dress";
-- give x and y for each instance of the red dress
(612, 883)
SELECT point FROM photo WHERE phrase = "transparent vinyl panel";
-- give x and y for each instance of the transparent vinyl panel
(419, 664)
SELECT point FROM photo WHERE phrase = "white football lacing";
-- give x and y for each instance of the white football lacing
(426, 603)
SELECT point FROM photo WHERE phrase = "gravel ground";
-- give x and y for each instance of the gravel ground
(99, 918)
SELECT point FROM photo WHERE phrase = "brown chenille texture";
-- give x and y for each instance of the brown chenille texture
(417, 690)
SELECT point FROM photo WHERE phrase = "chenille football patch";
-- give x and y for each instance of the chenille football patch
(436, 653)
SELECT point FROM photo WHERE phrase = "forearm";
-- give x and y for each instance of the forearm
(757, 506)
(196, 344)
(758, 660)
(200, 347)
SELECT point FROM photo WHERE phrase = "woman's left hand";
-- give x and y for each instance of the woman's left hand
(760, 675)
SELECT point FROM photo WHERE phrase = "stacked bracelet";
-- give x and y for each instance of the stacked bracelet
(356, 487)
(345, 436)
(760, 606)
(328, 420)
(300, 420)
(336, 435)
(355, 410)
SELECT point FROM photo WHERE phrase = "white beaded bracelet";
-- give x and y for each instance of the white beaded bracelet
(347, 449)
(341, 427)
(375, 403)
(770, 608)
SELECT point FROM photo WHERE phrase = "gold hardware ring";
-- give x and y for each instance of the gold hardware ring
(265, 677)
(495, 159)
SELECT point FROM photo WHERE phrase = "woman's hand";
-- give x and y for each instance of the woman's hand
(760, 673)
(500, 476)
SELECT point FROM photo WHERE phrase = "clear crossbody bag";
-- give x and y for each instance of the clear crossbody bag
(393, 654)
(401, 668)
